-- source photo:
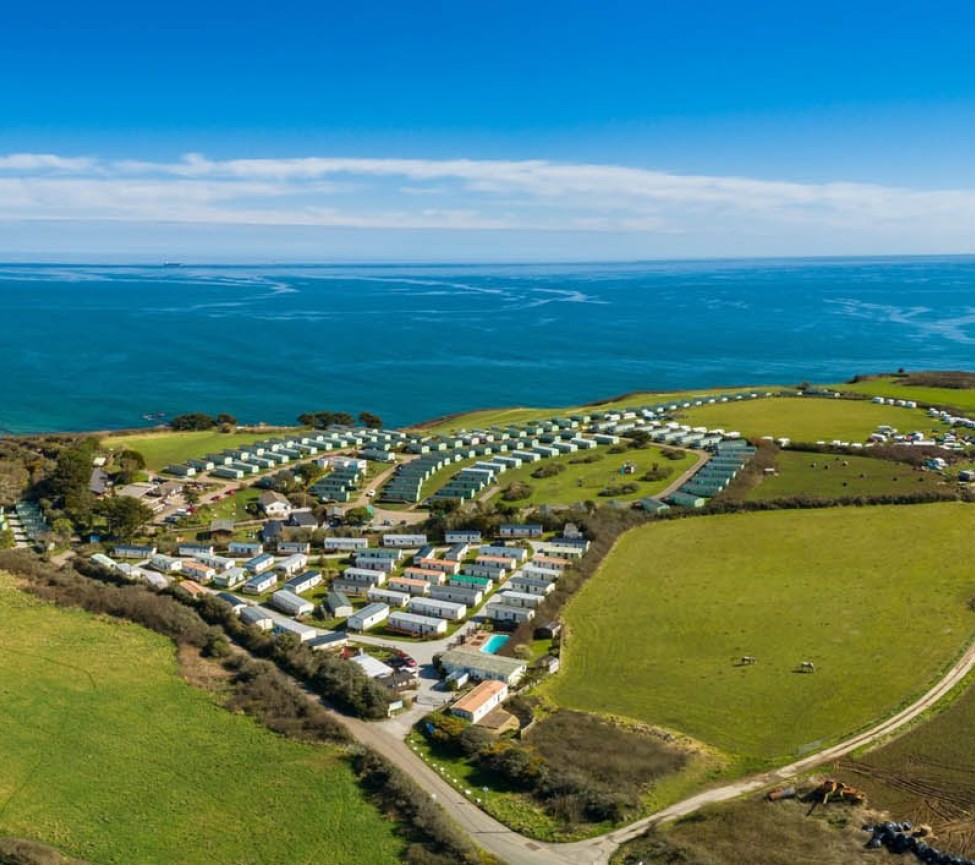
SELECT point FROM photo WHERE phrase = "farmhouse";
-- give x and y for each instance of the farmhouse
(415, 624)
(440, 609)
(291, 604)
(404, 541)
(257, 617)
(368, 617)
(482, 665)
(260, 583)
(481, 700)
(304, 582)
(339, 605)
(275, 505)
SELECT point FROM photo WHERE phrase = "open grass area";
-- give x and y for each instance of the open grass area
(830, 476)
(584, 481)
(657, 633)
(807, 419)
(501, 416)
(163, 448)
(927, 775)
(109, 755)
(893, 388)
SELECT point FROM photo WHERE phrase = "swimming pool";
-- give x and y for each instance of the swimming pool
(494, 642)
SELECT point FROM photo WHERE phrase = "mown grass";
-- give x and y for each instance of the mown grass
(831, 476)
(584, 481)
(163, 448)
(655, 635)
(807, 419)
(484, 418)
(112, 757)
(893, 388)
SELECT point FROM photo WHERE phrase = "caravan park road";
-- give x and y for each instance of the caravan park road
(516, 849)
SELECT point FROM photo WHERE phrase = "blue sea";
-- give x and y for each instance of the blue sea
(99, 347)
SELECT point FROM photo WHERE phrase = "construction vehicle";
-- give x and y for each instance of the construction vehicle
(838, 791)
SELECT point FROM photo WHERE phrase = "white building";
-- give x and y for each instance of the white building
(368, 617)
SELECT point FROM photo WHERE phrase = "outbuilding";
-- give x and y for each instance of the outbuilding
(481, 700)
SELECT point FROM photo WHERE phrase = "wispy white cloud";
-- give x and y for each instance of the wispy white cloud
(471, 194)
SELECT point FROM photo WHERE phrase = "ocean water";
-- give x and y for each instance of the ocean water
(85, 347)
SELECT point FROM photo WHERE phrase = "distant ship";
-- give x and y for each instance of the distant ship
(159, 415)
(171, 264)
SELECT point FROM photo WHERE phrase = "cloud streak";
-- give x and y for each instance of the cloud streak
(469, 194)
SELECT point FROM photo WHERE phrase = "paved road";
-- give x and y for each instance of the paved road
(516, 849)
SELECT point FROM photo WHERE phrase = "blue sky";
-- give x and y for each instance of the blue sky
(503, 130)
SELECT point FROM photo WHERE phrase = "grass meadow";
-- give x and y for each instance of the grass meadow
(109, 755)
(807, 419)
(584, 481)
(892, 388)
(163, 448)
(831, 476)
(876, 597)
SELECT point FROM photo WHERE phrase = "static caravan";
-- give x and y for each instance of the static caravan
(408, 585)
(292, 565)
(517, 553)
(295, 629)
(462, 536)
(440, 609)
(388, 596)
(245, 548)
(386, 566)
(416, 625)
(218, 563)
(257, 617)
(302, 548)
(520, 599)
(363, 576)
(342, 545)
(502, 613)
(291, 604)
(430, 576)
(339, 605)
(198, 572)
(520, 530)
(165, 564)
(443, 565)
(531, 585)
(193, 550)
(304, 582)
(459, 594)
(259, 564)
(230, 579)
(260, 583)
(368, 617)
(404, 541)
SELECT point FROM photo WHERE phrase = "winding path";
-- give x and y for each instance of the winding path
(516, 849)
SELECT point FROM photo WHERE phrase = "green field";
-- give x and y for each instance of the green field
(110, 756)
(502, 416)
(829, 476)
(657, 632)
(807, 419)
(162, 448)
(891, 387)
(583, 481)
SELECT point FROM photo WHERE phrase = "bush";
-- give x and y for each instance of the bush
(672, 453)
(593, 457)
(516, 492)
(18, 851)
(548, 470)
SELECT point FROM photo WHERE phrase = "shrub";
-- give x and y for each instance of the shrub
(548, 470)
(516, 492)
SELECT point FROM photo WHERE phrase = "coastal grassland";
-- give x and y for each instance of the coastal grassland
(894, 387)
(484, 418)
(926, 775)
(832, 476)
(655, 635)
(807, 419)
(581, 481)
(112, 757)
(163, 448)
